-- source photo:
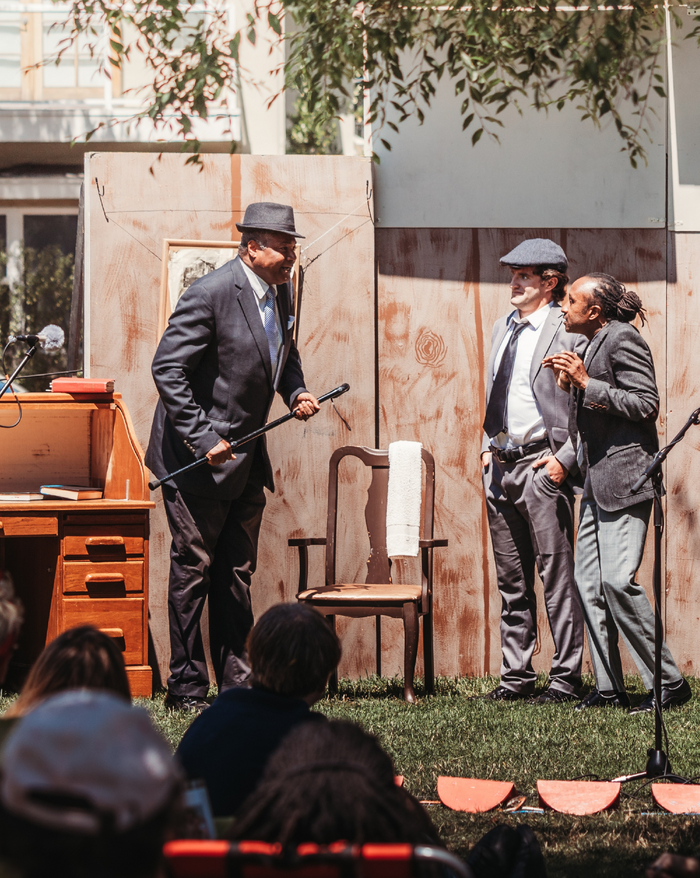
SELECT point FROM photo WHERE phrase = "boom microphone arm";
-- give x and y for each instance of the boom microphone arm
(332, 394)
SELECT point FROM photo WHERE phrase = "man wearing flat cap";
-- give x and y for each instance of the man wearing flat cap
(227, 349)
(526, 457)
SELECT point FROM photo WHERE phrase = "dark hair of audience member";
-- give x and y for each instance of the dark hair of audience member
(615, 300)
(292, 651)
(328, 782)
(80, 658)
(41, 852)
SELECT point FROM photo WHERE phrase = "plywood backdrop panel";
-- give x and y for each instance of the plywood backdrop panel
(134, 202)
(336, 342)
(682, 483)
(440, 292)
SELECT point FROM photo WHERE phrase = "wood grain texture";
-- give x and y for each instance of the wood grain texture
(336, 343)
(440, 292)
(683, 498)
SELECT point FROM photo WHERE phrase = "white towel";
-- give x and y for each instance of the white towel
(403, 499)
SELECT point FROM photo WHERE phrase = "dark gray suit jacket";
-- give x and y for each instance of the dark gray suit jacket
(616, 415)
(553, 402)
(213, 373)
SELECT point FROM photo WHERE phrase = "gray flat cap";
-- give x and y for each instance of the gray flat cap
(536, 251)
(269, 216)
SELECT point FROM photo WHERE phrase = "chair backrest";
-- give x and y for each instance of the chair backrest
(379, 563)
(195, 858)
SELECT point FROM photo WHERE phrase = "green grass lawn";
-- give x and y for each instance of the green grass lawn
(451, 735)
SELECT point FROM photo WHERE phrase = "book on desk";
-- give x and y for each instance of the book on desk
(76, 562)
(71, 492)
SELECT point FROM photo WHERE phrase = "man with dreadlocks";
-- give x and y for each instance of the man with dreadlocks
(613, 406)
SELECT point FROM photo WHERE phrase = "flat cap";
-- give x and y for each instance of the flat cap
(536, 251)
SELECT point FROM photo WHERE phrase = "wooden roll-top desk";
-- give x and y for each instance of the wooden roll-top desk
(76, 562)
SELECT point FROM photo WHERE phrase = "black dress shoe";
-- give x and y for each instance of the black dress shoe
(603, 699)
(193, 703)
(553, 696)
(500, 693)
(671, 696)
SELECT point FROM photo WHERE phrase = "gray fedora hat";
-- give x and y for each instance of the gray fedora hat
(536, 251)
(270, 217)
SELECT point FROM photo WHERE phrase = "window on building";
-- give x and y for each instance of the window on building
(10, 50)
(78, 68)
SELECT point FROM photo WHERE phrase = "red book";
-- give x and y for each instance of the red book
(82, 385)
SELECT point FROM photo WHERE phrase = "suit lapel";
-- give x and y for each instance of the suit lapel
(283, 310)
(550, 328)
(251, 311)
(594, 346)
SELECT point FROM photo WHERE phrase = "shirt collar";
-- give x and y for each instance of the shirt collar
(259, 286)
(536, 319)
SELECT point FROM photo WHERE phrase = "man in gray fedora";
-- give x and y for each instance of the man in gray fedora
(526, 456)
(227, 349)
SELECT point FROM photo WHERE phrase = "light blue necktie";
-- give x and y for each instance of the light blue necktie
(270, 325)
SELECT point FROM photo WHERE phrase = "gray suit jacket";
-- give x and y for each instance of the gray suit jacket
(616, 415)
(213, 373)
(553, 402)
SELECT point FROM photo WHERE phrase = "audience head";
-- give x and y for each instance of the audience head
(327, 782)
(293, 651)
(11, 615)
(88, 788)
(80, 658)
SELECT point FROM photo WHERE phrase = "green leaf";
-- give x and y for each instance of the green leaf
(476, 136)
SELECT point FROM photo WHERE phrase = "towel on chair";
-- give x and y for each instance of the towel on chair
(403, 499)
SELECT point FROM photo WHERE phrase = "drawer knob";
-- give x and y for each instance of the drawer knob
(104, 577)
(104, 541)
(113, 632)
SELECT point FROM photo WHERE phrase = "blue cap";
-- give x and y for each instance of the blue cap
(536, 251)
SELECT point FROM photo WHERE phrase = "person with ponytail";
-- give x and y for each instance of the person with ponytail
(613, 407)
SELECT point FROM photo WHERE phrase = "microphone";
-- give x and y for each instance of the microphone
(51, 338)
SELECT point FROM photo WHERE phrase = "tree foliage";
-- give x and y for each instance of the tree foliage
(604, 59)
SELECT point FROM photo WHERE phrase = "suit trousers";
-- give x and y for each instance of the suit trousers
(213, 552)
(609, 549)
(531, 523)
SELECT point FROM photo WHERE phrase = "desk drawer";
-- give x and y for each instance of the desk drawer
(103, 542)
(106, 579)
(28, 525)
(121, 618)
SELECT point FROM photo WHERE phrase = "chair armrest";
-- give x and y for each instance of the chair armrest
(307, 541)
(432, 544)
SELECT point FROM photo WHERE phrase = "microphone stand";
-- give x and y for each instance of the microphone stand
(658, 764)
(23, 362)
(332, 394)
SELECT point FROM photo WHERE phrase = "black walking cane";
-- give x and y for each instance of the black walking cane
(332, 394)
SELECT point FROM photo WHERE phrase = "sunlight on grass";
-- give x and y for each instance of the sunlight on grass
(448, 733)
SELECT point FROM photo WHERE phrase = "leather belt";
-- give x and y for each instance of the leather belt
(510, 455)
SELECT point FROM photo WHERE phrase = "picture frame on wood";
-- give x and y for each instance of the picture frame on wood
(186, 261)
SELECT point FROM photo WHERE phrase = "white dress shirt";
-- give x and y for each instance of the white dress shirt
(524, 418)
(260, 289)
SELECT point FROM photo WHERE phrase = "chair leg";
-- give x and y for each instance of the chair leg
(410, 628)
(428, 657)
(378, 637)
(333, 681)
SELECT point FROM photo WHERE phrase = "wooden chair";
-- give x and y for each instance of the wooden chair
(195, 858)
(378, 596)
